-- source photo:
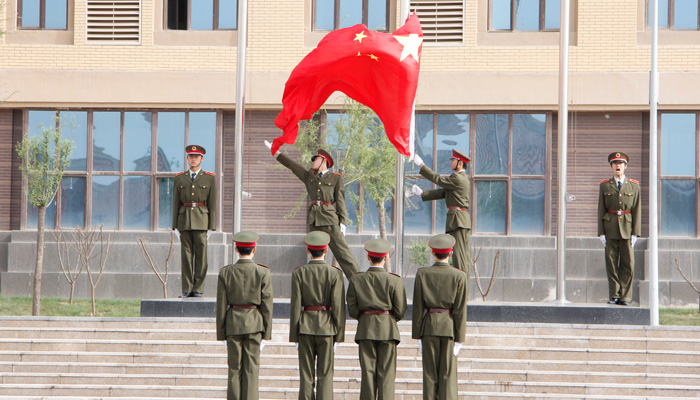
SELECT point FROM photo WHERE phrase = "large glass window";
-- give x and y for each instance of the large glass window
(336, 14)
(678, 202)
(676, 14)
(112, 181)
(202, 15)
(524, 15)
(43, 14)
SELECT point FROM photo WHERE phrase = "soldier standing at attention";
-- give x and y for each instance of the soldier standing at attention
(244, 316)
(455, 191)
(440, 320)
(194, 217)
(377, 299)
(327, 212)
(317, 318)
(619, 226)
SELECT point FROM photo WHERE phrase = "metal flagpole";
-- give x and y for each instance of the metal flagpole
(399, 198)
(653, 169)
(563, 149)
(240, 112)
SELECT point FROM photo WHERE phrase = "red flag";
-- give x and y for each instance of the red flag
(380, 70)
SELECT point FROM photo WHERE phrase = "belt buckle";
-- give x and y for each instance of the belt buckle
(194, 205)
(619, 212)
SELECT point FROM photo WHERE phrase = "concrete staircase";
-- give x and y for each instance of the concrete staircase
(150, 358)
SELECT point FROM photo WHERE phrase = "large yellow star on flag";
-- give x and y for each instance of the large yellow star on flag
(410, 43)
(360, 36)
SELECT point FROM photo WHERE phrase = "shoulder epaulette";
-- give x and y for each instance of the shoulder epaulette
(395, 274)
(210, 173)
(634, 181)
(298, 267)
(604, 180)
(264, 266)
(337, 268)
(336, 173)
(180, 173)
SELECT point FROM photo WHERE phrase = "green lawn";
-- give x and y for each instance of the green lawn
(62, 308)
(679, 316)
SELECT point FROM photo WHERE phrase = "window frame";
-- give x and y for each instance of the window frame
(513, 18)
(696, 178)
(671, 18)
(336, 15)
(508, 177)
(215, 16)
(42, 17)
(153, 173)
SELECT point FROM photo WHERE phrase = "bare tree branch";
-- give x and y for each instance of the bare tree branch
(493, 272)
(162, 276)
(684, 277)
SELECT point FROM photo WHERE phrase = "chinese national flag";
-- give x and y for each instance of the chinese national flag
(380, 70)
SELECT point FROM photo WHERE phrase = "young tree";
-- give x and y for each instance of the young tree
(44, 158)
(362, 153)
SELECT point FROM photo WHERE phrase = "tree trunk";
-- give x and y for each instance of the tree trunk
(165, 290)
(381, 219)
(93, 301)
(72, 291)
(39, 266)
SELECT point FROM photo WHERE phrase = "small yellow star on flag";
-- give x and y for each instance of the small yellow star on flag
(372, 56)
(410, 44)
(360, 36)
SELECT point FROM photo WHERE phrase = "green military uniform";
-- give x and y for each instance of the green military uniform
(194, 213)
(327, 210)
(440, 320)
(317, 320)
(377, 299)
(455, 191)
(619, 217)
(244, 319)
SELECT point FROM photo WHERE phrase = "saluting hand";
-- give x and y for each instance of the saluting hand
(417, 190)
(416, 159)
(343, 228)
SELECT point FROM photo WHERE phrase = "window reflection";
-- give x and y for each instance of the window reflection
(452, 133)
(202, 17)
(106, 140)
(137, 194)
(325, 11)
(40, 120)
(663, 13)
(491, 144)
(33, 216)
(228, 14)
(72, 202)
(417, 213)
(500, 15)
(527, 15)
(165, 203)
(74, 126)
(552, 14)
(137, 141)
(56, 14)
(105, 201)
(376, 18)
(529, 144)
(527, 207)
(202, 131)
(424, 141)
(171, 141)
(678, 144)
(491, 206)
(677, 207)
(30, 13)
(685, 14)
(350, 13)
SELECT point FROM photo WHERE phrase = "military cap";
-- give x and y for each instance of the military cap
(246, 239)
(617, 157)
(317, 240)
(460, 156)
(377, 247)
(442, 244)
(326, 155)
(195, 150)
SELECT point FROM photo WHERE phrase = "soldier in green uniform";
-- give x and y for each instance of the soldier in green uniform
(455, 190)
(317, 318)
(619, 226)
(377, 299)
(194, 217)
(244, 316)
(440, 320)
(327, 211)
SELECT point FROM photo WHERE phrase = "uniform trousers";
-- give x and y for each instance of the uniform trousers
(439, 368)
(378, 363)
(462, 252)
(315, 351)
(619, 264)
(243, 366)
(340, 248)
(193, 264)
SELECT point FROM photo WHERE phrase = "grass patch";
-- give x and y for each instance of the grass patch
(679, 316)
(52, 307)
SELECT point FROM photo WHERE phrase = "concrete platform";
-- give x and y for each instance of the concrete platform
(572, 313)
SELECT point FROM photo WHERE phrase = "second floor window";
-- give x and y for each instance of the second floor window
(524, 15)
(336, 14)
(676, 14)
(202, 15)
(43, 14)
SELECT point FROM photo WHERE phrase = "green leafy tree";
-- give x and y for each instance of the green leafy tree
(44, 158)
(362, 153)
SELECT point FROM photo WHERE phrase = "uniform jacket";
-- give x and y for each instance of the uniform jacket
(330, 188)
(455, 191)
(244, 283)
(376, 289)
(317, 284)
(202, 190)
(627, 198)
(440, 286)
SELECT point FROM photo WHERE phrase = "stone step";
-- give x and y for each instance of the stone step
(616, 391)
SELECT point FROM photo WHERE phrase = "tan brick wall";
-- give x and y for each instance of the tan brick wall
(6, 165)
